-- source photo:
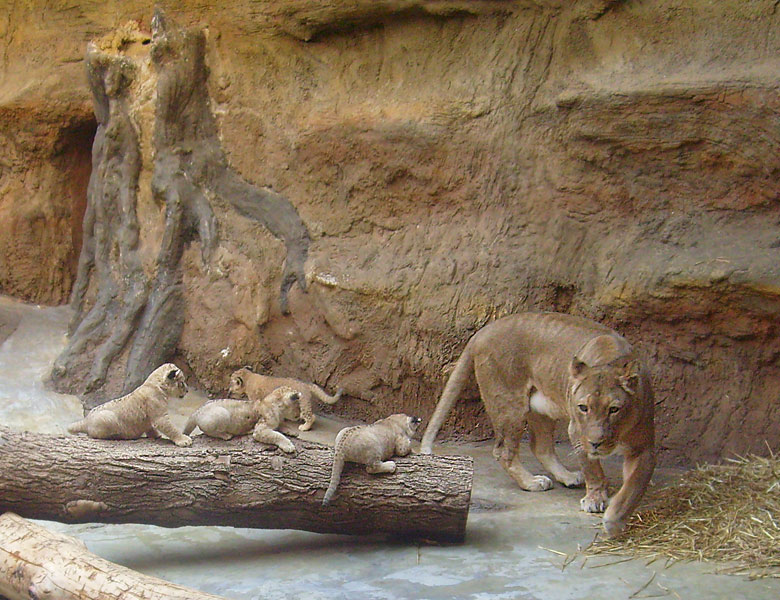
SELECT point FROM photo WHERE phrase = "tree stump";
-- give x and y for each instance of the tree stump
(128, 297)
(37, 563)
(241, 483)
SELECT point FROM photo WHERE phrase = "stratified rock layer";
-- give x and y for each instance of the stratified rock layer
(436, 165)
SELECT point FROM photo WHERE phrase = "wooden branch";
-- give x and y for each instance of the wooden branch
(37, 563)
(241, 483)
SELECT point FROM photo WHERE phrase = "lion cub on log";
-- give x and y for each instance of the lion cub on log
(142, 411)
(372, 445)
(283, 404)
(228, 417)
(537, 368)
(256, 387)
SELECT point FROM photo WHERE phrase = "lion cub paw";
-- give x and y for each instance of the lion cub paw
(595, 502)
(540, 483)
(184, 441)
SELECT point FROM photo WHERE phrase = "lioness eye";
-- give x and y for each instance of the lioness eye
(613, 409)
(583, 407)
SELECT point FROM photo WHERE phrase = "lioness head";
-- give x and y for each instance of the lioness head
(238, 381)
(170, 379)
(603, 403)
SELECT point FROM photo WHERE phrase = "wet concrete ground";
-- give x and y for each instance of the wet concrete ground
(516, 546)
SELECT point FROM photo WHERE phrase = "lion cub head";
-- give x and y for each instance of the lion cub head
(403, 423)
(603, 402)
(238, 381)
(170, 379)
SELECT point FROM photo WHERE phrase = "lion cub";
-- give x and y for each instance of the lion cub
(228, 417)
(256, 387)
(283, 404)
(142, 411)
(372, 445)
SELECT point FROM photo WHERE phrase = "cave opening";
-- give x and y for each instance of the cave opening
(73, 158)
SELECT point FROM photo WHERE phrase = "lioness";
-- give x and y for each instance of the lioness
(371, 445)
(245, 381)
(142, 411)
(537, 368)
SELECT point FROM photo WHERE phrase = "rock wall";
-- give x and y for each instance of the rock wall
(449, 163)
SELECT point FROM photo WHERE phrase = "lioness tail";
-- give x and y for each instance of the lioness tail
(458, 378)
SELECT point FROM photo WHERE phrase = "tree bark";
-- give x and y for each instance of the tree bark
(37, 563)
(128, 308)
(242, 483)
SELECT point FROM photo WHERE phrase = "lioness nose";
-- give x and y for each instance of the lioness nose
(595, 445)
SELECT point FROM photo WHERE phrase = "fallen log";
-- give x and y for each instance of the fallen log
(37, 563)
(241, 483)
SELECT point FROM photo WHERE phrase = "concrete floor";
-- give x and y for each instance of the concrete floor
(516, 546)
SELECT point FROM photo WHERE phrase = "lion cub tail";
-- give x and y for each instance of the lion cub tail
(322, 395)
(78, 427)
(191, 423)
(458, 378)
(338, 464)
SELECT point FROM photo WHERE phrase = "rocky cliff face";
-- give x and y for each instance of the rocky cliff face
(345, 192)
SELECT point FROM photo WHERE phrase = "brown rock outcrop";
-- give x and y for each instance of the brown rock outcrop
(451, 162)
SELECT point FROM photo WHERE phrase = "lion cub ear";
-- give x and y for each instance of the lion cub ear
(576, 367)
(249, 368)
(629, 380)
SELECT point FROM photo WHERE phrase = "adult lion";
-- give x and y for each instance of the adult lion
(537, 368)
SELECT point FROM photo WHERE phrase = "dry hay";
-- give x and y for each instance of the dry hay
(727, 513)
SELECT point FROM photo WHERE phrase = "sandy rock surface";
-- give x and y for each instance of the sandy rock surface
(448, 162)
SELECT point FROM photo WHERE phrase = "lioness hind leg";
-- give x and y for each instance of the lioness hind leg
(542, 431)
(524, 478)
(508, 417)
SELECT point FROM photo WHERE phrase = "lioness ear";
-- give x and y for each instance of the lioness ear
(240, 380)
(629, 380)
(249, 368)
(576, 367)
(172, 374)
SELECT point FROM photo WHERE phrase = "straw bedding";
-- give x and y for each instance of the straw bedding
(727, 513)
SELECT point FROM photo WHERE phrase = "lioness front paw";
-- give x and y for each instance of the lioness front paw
(613, 527)
(289, 447)
(540, 483)
(573, 479)
(595, 502)
(184, 441)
